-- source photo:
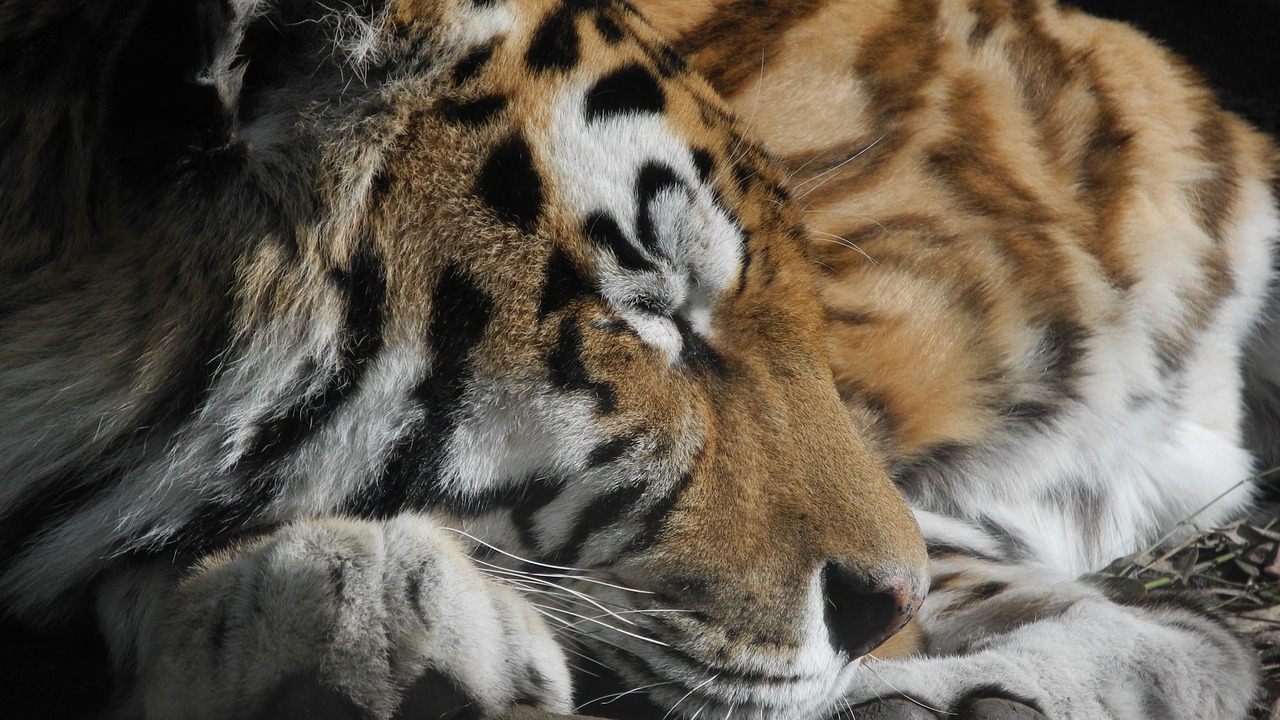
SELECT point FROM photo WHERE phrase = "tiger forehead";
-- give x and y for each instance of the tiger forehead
(504, 96)
(524, 58)
(554, 47)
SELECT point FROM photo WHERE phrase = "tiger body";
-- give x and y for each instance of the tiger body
(339, 295)
(988, 176)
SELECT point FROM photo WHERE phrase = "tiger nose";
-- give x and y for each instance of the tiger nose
(860, 613)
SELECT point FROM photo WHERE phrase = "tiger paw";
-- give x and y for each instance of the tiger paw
(350, 619)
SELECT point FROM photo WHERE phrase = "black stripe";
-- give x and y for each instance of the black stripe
(652, 179)
(1062, 347)
(1155, 706)
(746, 262)
(943, 549)
(608, 29)
(565, 283)
(604, 232)
(654, 519)
(611, 450)
(667, 60)
(536, 495)
(570, 374)
(703, 163)
(973, 596)
(217, 522)
(628, 90)
(510, 185)
(555, 43)
(696, 353)
(932, 462)
(1031, 412)
(598, 515)
(413, 593)
(460, 314)
(1012, 546)
(280, 434)
(471, 64)
(744, 176)
(473, 112)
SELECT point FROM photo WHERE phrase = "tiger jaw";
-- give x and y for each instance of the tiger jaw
(647, 670)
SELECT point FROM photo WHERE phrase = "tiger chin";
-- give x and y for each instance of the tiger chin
(389, 359)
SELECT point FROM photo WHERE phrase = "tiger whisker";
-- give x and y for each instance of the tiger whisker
(540, 579)
(500, 551)
(899, 692)
(584, 599)
(538, 586)
(837, 166)
(579, 668)
(588, 599)
(847, 213)
(614, 697)
(586, 657)
(833, 169)
(587, 618)
(581, 578)
(568, 625)
(843, 242)
(625, 612)
(531, 589)
(695, 689)
(755, 107)
(593, 581)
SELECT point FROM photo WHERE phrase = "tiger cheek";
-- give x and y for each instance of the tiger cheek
(786, 511)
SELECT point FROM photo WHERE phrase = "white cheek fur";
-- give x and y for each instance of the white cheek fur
(698, 248)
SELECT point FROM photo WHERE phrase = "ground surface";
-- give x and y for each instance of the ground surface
(1237, 570)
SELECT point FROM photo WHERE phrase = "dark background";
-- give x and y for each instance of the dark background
(1235, 43)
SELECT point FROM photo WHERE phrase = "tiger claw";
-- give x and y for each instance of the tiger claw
(1000, 709)
(890, 709)
(977, 709)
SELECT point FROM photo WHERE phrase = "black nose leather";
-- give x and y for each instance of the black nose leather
(861, 614)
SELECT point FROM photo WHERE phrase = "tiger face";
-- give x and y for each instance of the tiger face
(506, 262)
(614, 293)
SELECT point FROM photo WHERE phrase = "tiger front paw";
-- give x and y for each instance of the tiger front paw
(337, 618)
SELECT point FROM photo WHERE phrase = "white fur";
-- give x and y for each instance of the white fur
(700, 244)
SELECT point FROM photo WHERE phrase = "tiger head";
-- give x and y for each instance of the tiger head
(504, 260)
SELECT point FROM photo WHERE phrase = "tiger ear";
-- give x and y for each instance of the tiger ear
(172, 91)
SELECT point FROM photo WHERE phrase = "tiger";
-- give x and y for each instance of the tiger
(453, 358)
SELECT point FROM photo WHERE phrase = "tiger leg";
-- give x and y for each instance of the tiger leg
(339, 618)
(1030, 642)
